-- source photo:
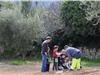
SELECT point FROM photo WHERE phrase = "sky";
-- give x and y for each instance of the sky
(33, 0)
(49, 0)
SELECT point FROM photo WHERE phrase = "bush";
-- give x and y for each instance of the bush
(19, 32)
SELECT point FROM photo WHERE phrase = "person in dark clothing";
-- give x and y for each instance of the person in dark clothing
(44, 54)
(65, 62)
(62, 60)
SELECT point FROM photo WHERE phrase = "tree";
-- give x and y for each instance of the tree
(18, 32)
(26, 5)
(74, 16)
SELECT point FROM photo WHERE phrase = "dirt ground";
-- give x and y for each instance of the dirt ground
(34, 69)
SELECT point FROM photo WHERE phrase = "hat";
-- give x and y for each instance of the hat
(66, 46)
(56, 46)
(48, 37)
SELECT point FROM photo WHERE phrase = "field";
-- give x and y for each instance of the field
(34, 69)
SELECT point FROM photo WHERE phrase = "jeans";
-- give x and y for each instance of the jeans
(44, 62)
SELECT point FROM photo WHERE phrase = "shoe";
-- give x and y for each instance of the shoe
(81, 67)
(71, 70)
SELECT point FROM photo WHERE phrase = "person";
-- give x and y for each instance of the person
(64, 59)
(66, 62)
(55, 58)
(74, 55)
(44, 53)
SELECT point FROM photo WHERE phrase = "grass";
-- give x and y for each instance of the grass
(24, 61)
(85, 61)
(90, 62)
(20, 62)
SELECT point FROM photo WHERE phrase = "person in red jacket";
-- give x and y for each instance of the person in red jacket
(55, 58)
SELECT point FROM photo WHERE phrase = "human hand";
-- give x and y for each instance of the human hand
(46, 53)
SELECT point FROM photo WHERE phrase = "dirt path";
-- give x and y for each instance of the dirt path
(34, 69)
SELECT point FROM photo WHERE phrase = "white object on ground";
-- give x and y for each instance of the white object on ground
(59, 72)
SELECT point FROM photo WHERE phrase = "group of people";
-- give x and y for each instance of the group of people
(68, 58)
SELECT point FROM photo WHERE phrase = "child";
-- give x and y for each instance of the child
(55, 58)
(62, 59)
(67, 63)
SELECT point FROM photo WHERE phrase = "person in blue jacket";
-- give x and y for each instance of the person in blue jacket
(74, 55)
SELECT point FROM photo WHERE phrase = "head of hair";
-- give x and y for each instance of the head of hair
(63, 51)
(66, 46)
(48, 37)
(56, 46)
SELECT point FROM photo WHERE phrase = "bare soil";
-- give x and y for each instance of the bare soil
(34, 69)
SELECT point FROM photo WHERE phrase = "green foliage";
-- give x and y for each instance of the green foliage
(6, 5)
(74, 16)
(18, 32)
(25, 7)
(89, 62)
(78, 29)
(20, 62)
(22, 26)
(84, 62)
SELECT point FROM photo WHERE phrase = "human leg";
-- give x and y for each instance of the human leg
(78, 63)
(74, 62)
(44, 62)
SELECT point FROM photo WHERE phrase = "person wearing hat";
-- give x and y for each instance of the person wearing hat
(74, 54)
(44, 53)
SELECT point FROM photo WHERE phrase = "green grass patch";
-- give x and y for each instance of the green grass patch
(90, 62)
(23, 61)
(20, 62)
(84, 62)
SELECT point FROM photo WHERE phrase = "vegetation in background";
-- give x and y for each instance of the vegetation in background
(90, 62)
(79, 21)
(25, 24)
